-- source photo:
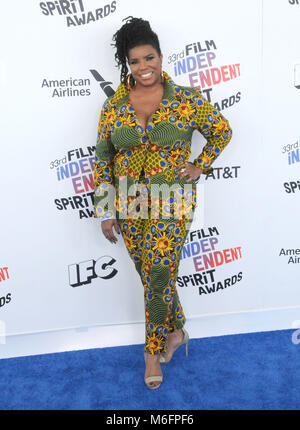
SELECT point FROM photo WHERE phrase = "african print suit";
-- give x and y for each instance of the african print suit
(124, 148)
(150, 157)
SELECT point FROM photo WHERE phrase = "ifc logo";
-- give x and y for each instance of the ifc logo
(82, 273)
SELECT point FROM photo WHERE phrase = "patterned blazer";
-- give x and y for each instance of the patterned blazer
(125, 149)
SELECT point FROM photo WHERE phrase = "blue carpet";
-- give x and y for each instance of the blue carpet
(258, 371)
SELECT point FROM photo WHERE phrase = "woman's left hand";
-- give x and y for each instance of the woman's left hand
(189, 169)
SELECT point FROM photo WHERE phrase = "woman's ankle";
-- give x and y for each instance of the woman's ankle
(155, 356)
(177, 331)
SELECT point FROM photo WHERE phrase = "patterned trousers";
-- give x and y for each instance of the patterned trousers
(155, 246)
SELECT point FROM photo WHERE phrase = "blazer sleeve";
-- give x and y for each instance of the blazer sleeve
(215, 129)
(104, 190)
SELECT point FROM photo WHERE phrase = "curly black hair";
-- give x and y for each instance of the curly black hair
(135, 32)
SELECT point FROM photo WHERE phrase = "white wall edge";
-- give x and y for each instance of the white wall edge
(103, 336)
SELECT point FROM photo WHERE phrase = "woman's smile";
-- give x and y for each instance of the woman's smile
(146, 75)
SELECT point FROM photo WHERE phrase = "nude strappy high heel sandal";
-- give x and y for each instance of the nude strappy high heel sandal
(185, 341)
(150, 379)
(153, 379)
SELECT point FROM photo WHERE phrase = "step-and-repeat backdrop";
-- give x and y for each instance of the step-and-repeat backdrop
(57, 66)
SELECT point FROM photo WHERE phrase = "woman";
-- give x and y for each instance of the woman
(144, 143)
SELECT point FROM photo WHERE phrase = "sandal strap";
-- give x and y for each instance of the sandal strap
(153, 379)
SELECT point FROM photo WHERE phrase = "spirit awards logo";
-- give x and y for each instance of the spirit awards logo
(77, 168)
(292, 187)
(197, 61)
(5, 298)
(4, 276)
(291, 152)
(201, 247)
(84, 272)
(74, 11)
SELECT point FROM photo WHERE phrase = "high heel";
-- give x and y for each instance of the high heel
(150, 379)
(185, 342)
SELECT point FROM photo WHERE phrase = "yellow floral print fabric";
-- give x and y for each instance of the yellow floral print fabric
(124, 148)
(129, 157)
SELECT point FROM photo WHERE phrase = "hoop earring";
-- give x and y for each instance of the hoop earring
(130, 82)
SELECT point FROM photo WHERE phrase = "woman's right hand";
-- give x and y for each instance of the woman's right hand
(107, 229)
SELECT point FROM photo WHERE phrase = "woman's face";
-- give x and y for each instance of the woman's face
(145, 65)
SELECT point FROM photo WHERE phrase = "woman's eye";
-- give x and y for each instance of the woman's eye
(135, 61)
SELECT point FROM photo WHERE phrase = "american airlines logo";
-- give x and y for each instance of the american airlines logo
(61, 88)
(105, 85)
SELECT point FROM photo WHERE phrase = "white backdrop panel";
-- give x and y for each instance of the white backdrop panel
(40, 244)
